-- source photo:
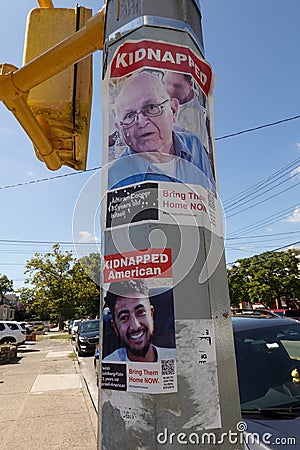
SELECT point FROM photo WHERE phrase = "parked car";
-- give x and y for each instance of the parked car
(268, 367)
(40, 326)
(292, 313)
(74, 328)
(69, 326)
(87, 337)
(27, 327)
(259, 312)
(46, 326)
(279, 312)
(11, 331)
(97, 363)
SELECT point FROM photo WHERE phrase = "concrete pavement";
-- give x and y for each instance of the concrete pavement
(44, 400)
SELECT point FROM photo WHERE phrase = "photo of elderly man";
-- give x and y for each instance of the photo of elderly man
(145, 118)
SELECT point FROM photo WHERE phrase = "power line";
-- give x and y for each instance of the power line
(16, 241)
(285, 246)
(263, 184)
(26, 183)
(267, 251)
(264, 222)
(262, 201)
(11, 264)
(257, 241)
(97, 168)
(26, 241)
(248, 130)
(262, 235)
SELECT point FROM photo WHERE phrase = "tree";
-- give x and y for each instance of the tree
(87, 290)
(91, 265)
(265, 278)
(6, 285)
(60, 287)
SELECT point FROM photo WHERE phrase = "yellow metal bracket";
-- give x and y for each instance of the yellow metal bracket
(46, 3)
(15, 101)
(16, 84)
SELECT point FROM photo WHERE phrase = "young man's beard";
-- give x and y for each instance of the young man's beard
(142, 352)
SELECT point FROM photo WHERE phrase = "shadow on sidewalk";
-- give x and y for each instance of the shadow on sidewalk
(12, 362)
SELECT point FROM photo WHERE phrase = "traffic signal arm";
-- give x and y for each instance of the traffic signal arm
(16, 85)
(16, 102)
(71, 50)
(46, 3)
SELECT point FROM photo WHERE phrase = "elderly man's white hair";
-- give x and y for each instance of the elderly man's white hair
(142, 79)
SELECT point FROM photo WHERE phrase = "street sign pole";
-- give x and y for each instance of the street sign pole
(168, 365)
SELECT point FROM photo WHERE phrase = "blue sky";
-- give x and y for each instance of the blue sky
(253, 48)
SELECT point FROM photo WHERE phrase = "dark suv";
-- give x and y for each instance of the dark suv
(87, 337)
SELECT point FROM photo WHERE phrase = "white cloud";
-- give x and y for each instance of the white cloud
(86, 237)
(30, 173)
(294, 247)
(246, 247)
(296, 171)
(298, 144)
(294, 217)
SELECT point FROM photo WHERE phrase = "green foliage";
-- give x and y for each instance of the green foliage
(60, 287)
(265, 277)
(6, 285)
(91, 265)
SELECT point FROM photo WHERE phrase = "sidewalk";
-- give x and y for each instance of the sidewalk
(44, 400)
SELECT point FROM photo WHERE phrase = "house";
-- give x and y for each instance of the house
(8, 304)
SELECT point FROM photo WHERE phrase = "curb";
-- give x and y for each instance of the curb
(92, 408)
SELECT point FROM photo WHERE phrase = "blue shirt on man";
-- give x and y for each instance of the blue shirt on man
(121, 354)
(192, 165)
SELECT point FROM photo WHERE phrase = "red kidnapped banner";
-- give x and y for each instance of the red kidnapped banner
(150, 263)
(134, 55)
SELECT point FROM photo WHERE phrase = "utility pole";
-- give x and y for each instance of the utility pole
(161, 221)
(168, 374)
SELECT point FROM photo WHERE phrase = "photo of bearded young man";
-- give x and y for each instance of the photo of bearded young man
(132, 321)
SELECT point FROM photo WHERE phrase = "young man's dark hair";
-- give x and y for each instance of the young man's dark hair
(133, 322)
(122, 289)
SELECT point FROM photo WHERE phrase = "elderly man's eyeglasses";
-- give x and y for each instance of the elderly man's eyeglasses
(150, 110)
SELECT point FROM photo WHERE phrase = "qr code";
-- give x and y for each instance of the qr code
(211, 200)
(168, 367)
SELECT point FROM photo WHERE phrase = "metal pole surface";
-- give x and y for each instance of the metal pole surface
(162, 227)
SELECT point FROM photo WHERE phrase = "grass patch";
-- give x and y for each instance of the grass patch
(60, 336)
(72, 355)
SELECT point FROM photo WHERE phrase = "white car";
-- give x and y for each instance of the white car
(11, 331)
(74, 328)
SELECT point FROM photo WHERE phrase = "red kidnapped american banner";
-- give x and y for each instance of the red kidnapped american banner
(150, 263)
(134, 55)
